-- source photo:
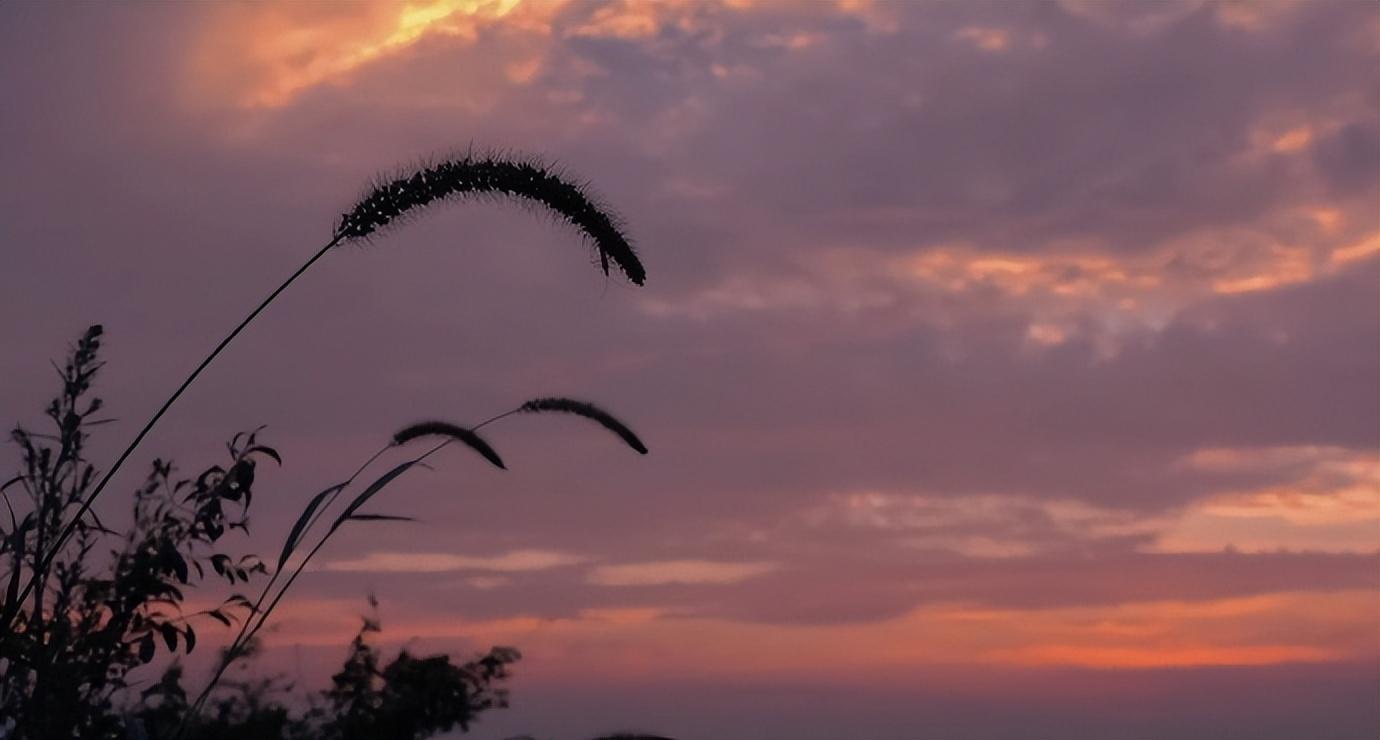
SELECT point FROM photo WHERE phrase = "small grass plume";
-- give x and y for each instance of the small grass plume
(447, 430)
(448, 433)
(386, 203)
(470, 176)
(588, 411)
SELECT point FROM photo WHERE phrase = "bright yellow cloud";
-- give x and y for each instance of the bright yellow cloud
(266, 54)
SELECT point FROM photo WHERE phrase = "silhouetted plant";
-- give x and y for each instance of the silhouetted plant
(64, 669)
(77, 649)
(411, 697)
(90, 623)
(386, 203)
(408, 698)
(315, 508)
(588, 411)
(493, 176)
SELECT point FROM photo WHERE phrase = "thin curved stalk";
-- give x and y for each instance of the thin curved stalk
(247, 634)
(386, 204)
(240, 640)
(71, 526)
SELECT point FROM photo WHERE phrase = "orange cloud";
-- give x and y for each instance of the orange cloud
(1293, 140)
(677, 571)
(1156, 657)
(1329, 501)
(265, 55)
(635, 640)
(424, 562)
(1363, 249)
(1068, 290)
(979, 526)
(985, 38)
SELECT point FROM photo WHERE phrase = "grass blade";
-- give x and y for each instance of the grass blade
(294, 537)
(373, 489)
(381, 518)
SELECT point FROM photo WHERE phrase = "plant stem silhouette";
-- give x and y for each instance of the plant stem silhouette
(315, 509)
(71, 526)
(385, 204)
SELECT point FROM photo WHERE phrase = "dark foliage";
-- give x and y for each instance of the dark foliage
(411, 698)
(408, 698)
(92, 619)
(81, 622)
(108, 603)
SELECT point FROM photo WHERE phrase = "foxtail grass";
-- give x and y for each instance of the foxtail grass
(528, 179)
(449, 433)
(588, 411)
(467, 437)
(387, 203)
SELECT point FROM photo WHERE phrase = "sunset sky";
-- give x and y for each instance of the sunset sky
(1009, 370)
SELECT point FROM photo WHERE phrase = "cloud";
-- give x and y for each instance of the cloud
(1304, 498)
(1271, 628)
(266, 57)
(1322, 499)
(981, 526)
(422, 562)
(677, 572)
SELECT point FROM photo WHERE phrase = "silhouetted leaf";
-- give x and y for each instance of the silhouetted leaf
(381, 518)
(179, 565)
(265, 449)
(146, 648)
(291, 542)
(369, 492)
(169, 636)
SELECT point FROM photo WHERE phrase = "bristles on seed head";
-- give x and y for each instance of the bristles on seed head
(455, 432)
(588, 411)
(495, 175)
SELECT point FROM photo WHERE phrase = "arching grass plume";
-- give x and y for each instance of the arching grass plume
(387, 203)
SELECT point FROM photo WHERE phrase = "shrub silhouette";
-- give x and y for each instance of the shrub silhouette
(89, 624)
(408, 698)
(64, 670)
